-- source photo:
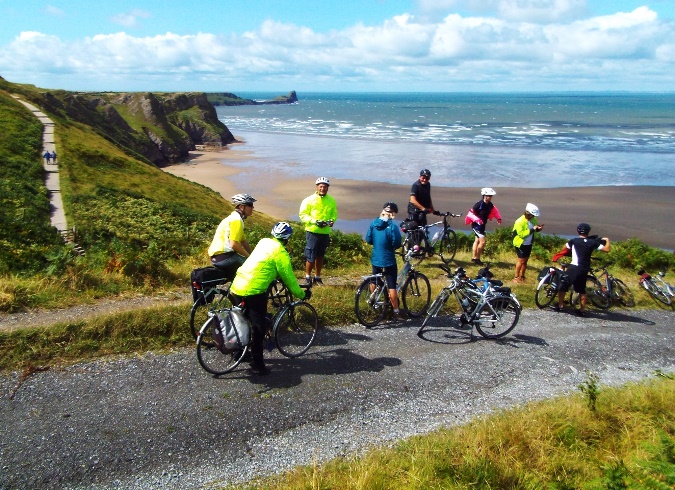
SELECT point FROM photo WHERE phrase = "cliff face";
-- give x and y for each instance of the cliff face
(163, 128)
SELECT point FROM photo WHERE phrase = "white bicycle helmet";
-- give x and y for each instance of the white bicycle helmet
(532, 209)
(322, 180)
(282, 231)
(487, 191)
(240, 199)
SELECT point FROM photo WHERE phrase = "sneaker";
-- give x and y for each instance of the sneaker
(260, 370)
(557, 308)
(477, 261)
(580, 313)
(308, 280)
(317, 280)
(400, 316)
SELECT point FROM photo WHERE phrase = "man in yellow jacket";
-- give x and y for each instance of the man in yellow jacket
(318, 213)
(268, 260)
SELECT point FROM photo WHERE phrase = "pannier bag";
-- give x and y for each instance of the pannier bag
(233, 331)
(409, 225)
(203, 279)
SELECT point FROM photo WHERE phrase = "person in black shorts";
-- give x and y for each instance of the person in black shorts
(581, 249)
(420, 199)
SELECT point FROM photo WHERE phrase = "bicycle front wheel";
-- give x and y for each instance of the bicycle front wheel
(597, 293)
(416, 294)
(211, 358)
(371, 301)
(448, 246)
(434, 309)
(200, 311)
(497, 317)
(546, 292)
(295, 329)
(622, 293)
(656, 291)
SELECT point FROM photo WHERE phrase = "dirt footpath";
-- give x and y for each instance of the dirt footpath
(160, 421)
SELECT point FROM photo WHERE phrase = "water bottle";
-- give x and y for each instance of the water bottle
(465, 303)
(435, 238)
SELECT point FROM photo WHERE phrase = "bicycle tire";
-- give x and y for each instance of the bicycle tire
(370, 306)
(656, 291)
(547, 291)
(434, 309)
(412, 239)
(199, 312)
(295, 328)
(448, 247)
(622, 293)
(416, 294)
(597, 293)
(497, 317)
(212, 359)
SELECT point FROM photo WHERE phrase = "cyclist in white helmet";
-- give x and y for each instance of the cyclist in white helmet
(523, 237)
(478, 216)
(229, 247)
(318, 213)
(268, 260)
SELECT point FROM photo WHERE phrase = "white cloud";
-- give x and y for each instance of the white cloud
(130, 19)
(54, 11)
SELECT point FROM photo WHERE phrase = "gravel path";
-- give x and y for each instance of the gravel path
(159, 421)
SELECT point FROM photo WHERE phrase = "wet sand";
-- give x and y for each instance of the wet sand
(618, 212)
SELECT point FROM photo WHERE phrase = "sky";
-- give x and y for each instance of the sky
(340, 46)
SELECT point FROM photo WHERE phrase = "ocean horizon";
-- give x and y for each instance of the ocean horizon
(471, 139)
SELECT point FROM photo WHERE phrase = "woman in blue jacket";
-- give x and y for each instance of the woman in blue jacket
(385, 237)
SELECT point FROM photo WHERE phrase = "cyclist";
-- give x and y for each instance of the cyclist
(385, 238)
(581, 248)
(229, 247)
(420, 199)
(478, 216)
(268, 260)
(318, 213)
(523, 237)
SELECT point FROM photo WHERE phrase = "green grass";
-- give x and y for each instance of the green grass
(627, 442)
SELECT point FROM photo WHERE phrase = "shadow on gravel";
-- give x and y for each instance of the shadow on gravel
(617, 316)
(287, 373)
(447, 330)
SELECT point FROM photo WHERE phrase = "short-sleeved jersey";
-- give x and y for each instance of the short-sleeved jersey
(422, 193)
(582, 249)
(231, 228)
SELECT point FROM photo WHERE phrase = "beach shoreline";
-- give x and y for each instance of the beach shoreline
(618, 212)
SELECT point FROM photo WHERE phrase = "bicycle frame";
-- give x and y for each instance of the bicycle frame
(420, 236)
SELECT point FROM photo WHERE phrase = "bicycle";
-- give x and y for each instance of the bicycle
(372, 296)
(603, 293)
(552, 280)
(657, 287)
(292, 330)
(446, 238)
(492, 310)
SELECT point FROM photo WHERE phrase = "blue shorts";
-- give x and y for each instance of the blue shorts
(316, 246)
(479, 230)
(390, 273)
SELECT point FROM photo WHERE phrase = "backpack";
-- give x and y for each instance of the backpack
(203, 279)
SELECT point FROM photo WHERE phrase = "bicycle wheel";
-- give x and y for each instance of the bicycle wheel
(656, 291)
(212, 359)
(622, 293)
(448, 246)
(597, 293)
(415, 237)
(435, 308)
(295, 329)
(416, 294)
(200, 311)
(546, 292)
(371, 302)
(497, 317)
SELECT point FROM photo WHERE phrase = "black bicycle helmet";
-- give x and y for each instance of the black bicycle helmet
(583, 228)
(425, 173)
(390, 207)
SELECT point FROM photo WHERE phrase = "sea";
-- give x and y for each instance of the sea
(539, 140)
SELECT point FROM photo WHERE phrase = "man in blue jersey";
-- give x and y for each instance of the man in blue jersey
(581, 249)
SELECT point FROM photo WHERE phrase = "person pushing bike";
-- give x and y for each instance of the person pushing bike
(229, 247)
(268, 260)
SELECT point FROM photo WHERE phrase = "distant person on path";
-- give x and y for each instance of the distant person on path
(420, 203)
(53, 155)
(47, 156)
(229, 247)
(385, 238)
(581, 248)
(268, 260)
(523, 237)
(318, 213)
(478, 216)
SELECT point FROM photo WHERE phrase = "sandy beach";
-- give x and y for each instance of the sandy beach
(618, 212)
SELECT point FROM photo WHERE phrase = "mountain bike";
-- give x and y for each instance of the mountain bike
(443, 243)
(552, 280)
(492, 310)
(605, 289)
(657, 286)
(292, 330)
(372, 296)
